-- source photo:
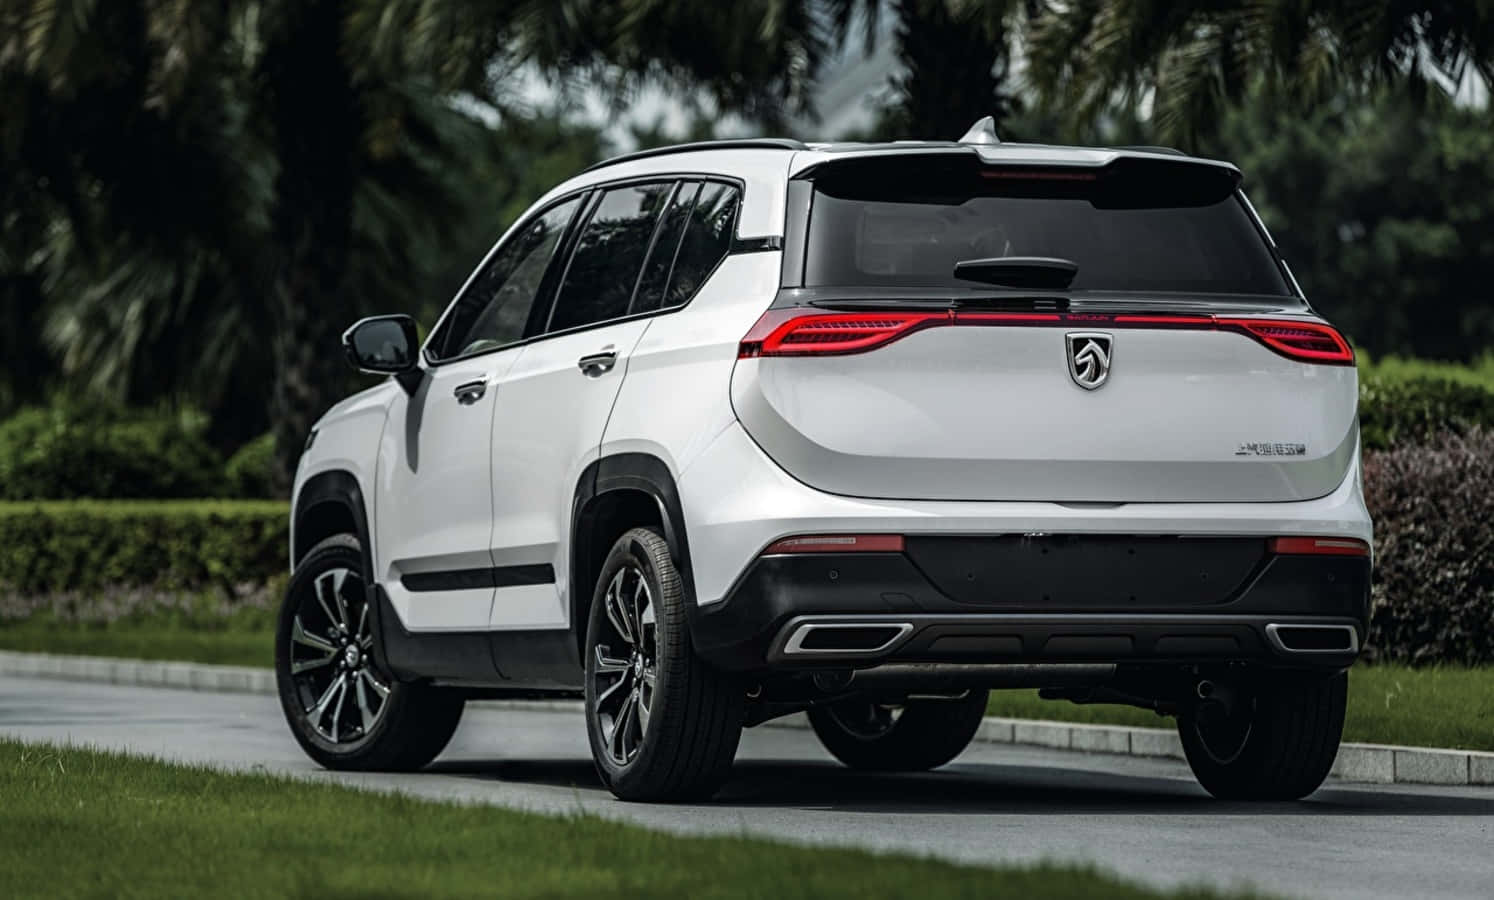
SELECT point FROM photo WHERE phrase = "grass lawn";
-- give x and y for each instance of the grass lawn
(1388, 704)
(84, 823)
(244, 637)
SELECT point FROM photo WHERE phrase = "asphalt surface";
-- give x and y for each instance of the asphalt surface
(1145, 819)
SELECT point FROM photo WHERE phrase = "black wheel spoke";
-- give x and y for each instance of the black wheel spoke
(623, 665)
(341, 693)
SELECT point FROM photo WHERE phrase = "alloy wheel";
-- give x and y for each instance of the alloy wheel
(341, 693)
(626, 665)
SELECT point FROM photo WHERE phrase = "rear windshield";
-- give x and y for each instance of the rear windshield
(1154, 227)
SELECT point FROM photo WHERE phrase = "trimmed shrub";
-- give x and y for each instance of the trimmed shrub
(1433, 506)
(1395, 409)
(93, 546)
(250, 472)
(71, 452)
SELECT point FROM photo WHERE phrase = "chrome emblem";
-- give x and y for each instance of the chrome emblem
(1089, 357)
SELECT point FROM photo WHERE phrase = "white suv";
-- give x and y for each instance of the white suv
(726, 431)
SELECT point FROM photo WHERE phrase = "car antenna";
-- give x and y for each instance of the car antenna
(982, 132)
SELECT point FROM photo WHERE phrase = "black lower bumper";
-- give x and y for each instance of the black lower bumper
(1052, 599)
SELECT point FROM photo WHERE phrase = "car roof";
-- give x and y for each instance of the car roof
(766, 164)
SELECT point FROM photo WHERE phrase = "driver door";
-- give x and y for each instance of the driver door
(434, 497)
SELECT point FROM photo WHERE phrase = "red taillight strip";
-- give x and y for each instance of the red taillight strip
(838, 543)
(1314, 546)
(789, 332)
(1307, 341)
(799, 332)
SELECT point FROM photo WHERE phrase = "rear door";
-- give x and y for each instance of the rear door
(1177, 365)
(554, 403)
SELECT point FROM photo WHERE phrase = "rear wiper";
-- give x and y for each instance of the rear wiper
(1019, 271)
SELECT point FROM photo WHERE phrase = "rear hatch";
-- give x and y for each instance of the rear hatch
(1118, 333)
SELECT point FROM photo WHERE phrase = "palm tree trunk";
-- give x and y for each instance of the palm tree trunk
(318, 133)
(953, 71)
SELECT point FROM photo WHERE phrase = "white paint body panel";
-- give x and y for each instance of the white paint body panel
(546, 430)
(991, 413)
(347, 440)
(737, 501)
(434, 493)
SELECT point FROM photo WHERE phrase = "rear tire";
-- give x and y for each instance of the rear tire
(1279, 745)
(663, 724)
(927, 734)
(324, 637)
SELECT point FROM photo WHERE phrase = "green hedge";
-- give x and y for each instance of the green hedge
(54, 547)
(79, 450)
(1397, 409)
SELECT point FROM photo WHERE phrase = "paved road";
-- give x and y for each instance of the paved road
(1143, 818)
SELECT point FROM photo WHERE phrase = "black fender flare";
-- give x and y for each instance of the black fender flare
(627, 472)
(336, 488)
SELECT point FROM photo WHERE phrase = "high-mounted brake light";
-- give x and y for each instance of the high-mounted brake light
(838, 543)
(805, 331)
(1314, 546)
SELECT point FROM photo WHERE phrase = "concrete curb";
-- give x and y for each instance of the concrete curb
(1370, 763)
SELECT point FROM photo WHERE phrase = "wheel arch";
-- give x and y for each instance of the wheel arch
(330, 503)
(614, 494)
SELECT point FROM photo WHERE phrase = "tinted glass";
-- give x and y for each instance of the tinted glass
(1143, 233)
(609, 255)
(494, 309)
(707, 240)
(661, 258)
(383, 344)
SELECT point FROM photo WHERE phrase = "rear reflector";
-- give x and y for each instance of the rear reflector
(838, 543)
(805, 331)
(1310, 546)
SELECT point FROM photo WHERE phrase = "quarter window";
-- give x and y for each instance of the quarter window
(706, 242)
(666, 246)
(494, 309)
(608, 258)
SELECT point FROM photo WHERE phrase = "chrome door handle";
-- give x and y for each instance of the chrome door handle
(470, 392)
(597, 363)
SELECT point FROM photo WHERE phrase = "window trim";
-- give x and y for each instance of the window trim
(566, 246)
(518, 228)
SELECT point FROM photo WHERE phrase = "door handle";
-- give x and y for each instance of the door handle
(470, 392)
(594, 364)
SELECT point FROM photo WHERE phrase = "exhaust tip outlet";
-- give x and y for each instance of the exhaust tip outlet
(867, 638)
(1295, 639)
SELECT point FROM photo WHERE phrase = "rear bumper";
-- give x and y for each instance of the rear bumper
(861, 609)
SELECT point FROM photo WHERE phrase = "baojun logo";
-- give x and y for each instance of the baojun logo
(1090, 353)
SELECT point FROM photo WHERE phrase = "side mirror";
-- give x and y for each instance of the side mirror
(382, 345)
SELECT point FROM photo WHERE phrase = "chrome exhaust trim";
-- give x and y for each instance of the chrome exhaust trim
(1283, 635)
(795, 644)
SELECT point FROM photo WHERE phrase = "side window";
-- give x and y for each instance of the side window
(609, 252)
(494, 308)
(661, 258)
(706, 242)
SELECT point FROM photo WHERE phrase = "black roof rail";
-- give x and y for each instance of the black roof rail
(741, 144)
(1147, 148)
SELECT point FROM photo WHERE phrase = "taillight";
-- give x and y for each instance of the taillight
(838, 543)
(789, 332)
(1304, 341)
(1315, 546)
(803, 331)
